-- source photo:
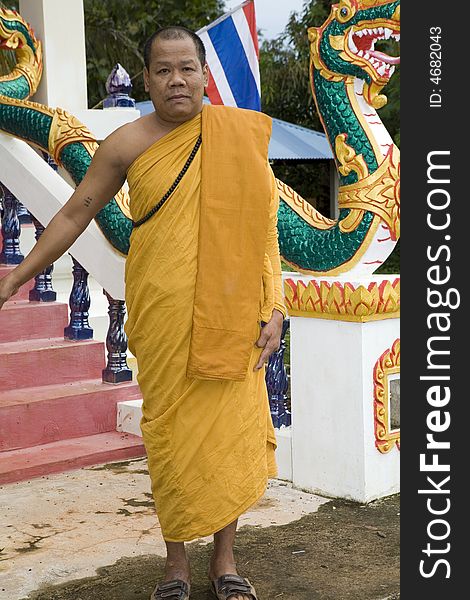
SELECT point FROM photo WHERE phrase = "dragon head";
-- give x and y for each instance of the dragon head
(344, 46)
(16, 35)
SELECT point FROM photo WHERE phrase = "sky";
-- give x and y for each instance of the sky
(271, 15)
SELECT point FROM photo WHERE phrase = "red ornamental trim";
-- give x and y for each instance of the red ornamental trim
(343, 302)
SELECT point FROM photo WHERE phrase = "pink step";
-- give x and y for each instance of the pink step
(35, 363)
(40, 415)
(23, 320)
(56, 457)
(23, 292)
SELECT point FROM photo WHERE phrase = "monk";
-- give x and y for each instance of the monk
(204, 299)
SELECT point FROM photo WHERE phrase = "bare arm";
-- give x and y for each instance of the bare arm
(102, 181)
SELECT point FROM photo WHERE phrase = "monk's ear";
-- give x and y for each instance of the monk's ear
(205, 74)
(146, 79)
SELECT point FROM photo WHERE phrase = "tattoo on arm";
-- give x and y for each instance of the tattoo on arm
(88, 201)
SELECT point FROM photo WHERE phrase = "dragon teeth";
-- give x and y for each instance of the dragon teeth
(352, 45)
(388, 33)
(381, 70)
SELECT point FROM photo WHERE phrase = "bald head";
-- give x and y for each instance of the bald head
(174, 33)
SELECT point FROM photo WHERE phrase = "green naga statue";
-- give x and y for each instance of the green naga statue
(347, 76)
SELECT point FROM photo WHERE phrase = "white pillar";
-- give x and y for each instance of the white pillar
(61, 28)
(337, 340)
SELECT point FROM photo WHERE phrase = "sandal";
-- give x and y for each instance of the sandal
(176, 589)
(227, 586)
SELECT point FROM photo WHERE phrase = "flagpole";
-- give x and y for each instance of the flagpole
(223, 17)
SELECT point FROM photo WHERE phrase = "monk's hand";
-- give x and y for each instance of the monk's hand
(270, 338)
(8, 288)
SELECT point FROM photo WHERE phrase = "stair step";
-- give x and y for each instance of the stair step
(24, 320)
(23, 292)
(40, 415)
(49, 361)
(56, 457)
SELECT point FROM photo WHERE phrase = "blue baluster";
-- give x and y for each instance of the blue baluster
(50, 161)
(277, 383)
(42, 291)
(11, 253)
(117, 369)
(118, 86)
(24, 215)
(79, 302)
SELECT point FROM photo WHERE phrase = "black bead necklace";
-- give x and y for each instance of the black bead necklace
(158, 206)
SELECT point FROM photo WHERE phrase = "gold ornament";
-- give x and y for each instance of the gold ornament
(370, 3)
(67, 129)
(349, 159)
(378, 193)
(28, 65)
(388, 364)
(303, 208)
(314, 36)
(343, 302)
(345, 10)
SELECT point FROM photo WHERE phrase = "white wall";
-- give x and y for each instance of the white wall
(60, 27)
(333, 430)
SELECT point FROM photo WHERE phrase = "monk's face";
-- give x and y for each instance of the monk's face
(175, 80)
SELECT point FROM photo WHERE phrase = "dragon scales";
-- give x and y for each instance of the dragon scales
(347, 76)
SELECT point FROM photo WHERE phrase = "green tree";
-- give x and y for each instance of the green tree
(116, 35)
(284, 66)
(286, 95)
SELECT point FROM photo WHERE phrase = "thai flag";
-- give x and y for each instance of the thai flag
(233, 57)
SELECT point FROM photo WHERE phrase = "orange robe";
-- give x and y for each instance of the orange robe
(210, 443)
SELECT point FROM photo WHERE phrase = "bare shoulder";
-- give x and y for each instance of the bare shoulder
(130, 140)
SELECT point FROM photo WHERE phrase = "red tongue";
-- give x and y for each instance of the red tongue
(390, 60)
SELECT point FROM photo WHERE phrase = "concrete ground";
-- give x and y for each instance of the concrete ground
(93, 534)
